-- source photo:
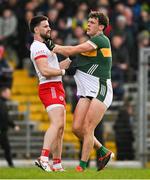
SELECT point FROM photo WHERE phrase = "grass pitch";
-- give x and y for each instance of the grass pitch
(35, 173)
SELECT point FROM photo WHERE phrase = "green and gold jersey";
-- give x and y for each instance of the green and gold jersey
(99, 61)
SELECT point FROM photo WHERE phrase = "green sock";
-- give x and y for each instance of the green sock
(83, 164)
(103, 151)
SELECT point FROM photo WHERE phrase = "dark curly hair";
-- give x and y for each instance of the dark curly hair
(102, 18)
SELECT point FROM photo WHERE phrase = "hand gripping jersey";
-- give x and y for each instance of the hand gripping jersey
(39, 50)
(99, 61)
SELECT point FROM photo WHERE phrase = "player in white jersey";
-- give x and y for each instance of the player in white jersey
(51, 93)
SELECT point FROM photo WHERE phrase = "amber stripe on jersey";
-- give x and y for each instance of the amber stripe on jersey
(106, 52)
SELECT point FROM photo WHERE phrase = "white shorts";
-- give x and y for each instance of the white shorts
(88, 85)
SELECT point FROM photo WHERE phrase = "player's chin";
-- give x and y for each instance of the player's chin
(48, 35)
(88, 33)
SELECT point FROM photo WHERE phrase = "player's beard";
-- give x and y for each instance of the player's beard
(45, 36)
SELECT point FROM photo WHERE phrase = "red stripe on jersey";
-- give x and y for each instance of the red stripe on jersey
(41, 56)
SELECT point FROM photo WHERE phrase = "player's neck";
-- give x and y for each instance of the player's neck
(98, 33)
(38, 38)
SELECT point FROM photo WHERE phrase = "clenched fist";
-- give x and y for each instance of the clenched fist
(50, 44)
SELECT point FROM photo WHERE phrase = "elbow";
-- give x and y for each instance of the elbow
(45, 73)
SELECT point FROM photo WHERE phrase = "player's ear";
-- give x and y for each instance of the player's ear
(36, 29)
(101, 26)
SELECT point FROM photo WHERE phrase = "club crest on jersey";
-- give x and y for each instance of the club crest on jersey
(61, 98)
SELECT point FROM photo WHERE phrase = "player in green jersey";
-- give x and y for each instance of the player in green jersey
(93, 79)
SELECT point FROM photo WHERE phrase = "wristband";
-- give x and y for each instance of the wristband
(63, 72)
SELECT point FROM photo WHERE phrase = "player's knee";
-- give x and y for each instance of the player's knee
(76, 129)
(61, 130)
(87, 129)
(60, 126)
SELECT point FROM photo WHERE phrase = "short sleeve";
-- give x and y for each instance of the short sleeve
(100, 42)
(38, 51)
(95, 42)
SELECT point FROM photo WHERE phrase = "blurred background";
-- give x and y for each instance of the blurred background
(125, 128)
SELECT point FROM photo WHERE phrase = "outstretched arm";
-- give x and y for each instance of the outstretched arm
(71, 50)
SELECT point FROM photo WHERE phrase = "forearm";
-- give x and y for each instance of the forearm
(65, 50)
(49, 72)
(70, 50)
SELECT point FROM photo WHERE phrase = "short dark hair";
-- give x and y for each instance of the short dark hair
(35, 21)
(102, 18)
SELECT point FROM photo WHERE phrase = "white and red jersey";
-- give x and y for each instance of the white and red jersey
(39, 50)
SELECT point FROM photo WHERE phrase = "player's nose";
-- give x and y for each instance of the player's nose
(49, 28)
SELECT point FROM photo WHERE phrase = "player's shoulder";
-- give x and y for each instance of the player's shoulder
(102, 38)
(38, 48)
(38, 44)
(96, 40)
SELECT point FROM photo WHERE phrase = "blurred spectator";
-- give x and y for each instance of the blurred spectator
(31, 5)
(52, 15)
(77, 34)
(136, 8)
(121, 28)
(120, 67)
(5, 70)
(120, 53)
(63, 29)
(103, 4)
(59, 5)
(144, 21)
(14, 5)
(79, 20)
(118, 9)
(131, 32)
(143, 39)
(51, 3)
(130, 22)
(124, 133)
(25, 37)
(145, 6)
(117, 83)
(8, 27)
(8, 33)
(5, 123)
(126, 29)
